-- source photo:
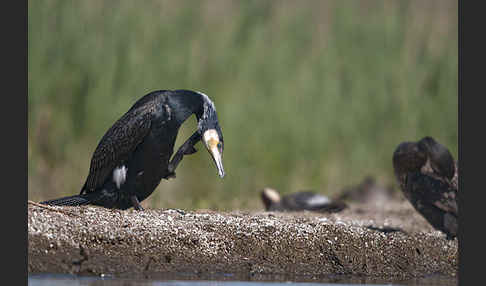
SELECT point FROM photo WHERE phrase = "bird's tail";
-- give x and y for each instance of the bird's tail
(77, 200)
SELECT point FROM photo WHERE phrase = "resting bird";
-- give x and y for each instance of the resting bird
(305, 200)
(428, 177)
(135, 153)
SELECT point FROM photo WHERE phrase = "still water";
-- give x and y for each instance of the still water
(225, 280)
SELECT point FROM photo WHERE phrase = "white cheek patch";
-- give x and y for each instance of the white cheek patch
(210, 135)
(318, 200)
(120, 175)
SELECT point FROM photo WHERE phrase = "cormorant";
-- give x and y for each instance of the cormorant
(423, 170)
(134, 154)
(305, 200)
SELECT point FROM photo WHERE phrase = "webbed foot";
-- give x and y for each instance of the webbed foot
(136, 204)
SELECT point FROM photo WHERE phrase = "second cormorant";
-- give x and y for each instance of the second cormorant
(428, 177)
(135, 153)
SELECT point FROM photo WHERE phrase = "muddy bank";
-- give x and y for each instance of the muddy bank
(390, 240)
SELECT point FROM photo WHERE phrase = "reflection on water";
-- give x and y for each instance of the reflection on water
(225, 280)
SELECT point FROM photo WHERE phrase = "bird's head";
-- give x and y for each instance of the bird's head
(210, 131)
(213, 141)
(408, 157)
(270, 197)
(428, 143)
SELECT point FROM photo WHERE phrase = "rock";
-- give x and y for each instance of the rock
(95, 240)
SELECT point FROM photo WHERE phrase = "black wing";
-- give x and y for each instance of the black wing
(442, 162)
(427, 191)
(304, 200)
(441, 159)
(117, 143)
(308, 200)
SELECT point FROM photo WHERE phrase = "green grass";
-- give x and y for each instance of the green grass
(310, 94)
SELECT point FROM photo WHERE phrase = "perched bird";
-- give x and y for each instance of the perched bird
(135, 153)
(423, 170)
(305, 200)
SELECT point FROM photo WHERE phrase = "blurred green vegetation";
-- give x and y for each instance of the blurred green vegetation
(310, 94)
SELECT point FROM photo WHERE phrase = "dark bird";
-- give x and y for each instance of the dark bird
(305, 200)
(423, 172)
(135, 153)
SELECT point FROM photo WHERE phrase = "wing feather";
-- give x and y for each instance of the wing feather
(432, 191)
(117, 144)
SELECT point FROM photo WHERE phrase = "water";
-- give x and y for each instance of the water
(225, 280)
(79, 281)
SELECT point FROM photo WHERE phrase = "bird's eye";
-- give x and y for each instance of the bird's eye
(220, 145)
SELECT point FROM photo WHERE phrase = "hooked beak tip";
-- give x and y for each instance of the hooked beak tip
(221, 173)
(219, 166)
(218, 162)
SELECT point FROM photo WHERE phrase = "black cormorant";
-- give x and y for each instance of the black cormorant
(135, 153)
(304, 200)
(423, 170)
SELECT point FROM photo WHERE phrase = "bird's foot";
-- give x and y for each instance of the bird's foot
(136, 204)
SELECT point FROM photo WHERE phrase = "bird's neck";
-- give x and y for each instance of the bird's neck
(187, 103)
